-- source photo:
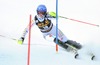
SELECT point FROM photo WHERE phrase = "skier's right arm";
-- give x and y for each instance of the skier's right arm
(21, 40)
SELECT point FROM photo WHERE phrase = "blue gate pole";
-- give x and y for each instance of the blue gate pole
(56, 25)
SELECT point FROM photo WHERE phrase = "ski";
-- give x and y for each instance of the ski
(73, 50)
(92, 55)
(77, 54)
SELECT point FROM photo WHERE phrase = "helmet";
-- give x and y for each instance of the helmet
(42, 9)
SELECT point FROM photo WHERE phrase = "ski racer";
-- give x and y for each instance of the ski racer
(43, 20)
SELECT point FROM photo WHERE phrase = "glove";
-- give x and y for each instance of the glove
(21, 40)
(53, 14)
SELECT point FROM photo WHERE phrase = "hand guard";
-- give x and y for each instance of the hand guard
(21, 40)
(53, 14)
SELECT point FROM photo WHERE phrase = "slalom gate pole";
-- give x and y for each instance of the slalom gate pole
(56, 25)
(79, 21)
(29, 40)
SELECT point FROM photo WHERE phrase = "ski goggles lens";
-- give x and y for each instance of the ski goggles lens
(43, 13)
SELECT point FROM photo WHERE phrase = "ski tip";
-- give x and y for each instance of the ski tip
(93, 57)
(76, 56)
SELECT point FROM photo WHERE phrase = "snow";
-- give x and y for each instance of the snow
(14, 17)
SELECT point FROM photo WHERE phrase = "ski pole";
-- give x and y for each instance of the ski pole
(8, 37)
(79, 21)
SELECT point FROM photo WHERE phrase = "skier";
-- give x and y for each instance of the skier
(44, 23)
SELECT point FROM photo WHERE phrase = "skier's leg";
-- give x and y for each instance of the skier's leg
(60, 43)
(65, 40)
(62, 39)
(61, 35)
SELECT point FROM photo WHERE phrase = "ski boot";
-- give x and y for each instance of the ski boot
(74, 44)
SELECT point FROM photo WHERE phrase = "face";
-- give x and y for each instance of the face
(40, 16)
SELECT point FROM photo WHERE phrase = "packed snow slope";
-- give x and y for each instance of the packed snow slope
(14, 17)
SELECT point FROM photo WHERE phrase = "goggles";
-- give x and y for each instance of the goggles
(43, 13)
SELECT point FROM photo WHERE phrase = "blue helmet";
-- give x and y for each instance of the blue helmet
(41, 8)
